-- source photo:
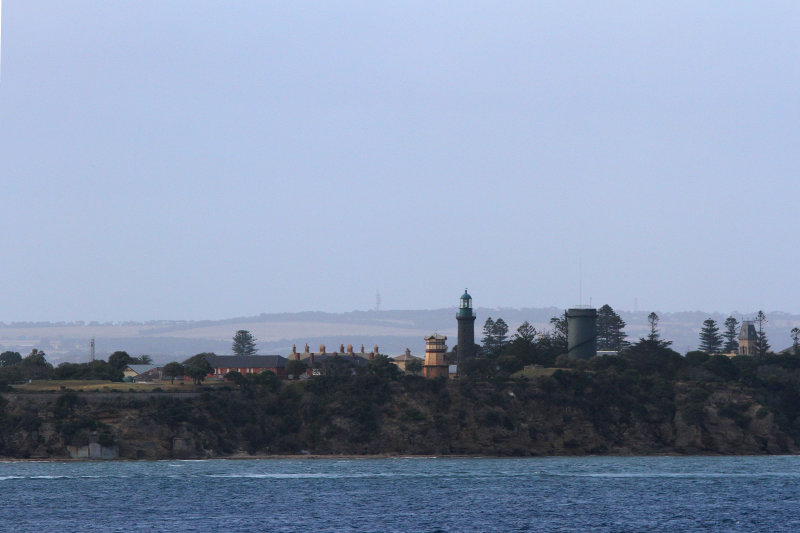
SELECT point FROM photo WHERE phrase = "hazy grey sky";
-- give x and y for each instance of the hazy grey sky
(194, 159)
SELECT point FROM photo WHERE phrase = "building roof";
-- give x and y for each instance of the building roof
(355, 359)
(466, 295)
(141, 369)
(247, 361)
(406, 357)
(748, 331)
(436, 336)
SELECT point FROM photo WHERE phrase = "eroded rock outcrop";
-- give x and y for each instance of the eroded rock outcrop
(562, 415)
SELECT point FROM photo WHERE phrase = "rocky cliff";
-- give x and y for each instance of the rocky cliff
(570, 413)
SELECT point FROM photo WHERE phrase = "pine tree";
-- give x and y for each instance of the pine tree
(559, 334)
(500, 333)
(526, 332)
(652, 320)
(796, 341)
(244, 343)
(731, 335)
(610, 334)
(762, 346)
(710, 339)
(654, 337)
(489, 342)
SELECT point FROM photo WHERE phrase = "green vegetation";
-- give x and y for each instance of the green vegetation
(610, 330)
(655, 335)
(10, 359)
(244, 343)
(99, 370)
(495, 336)
(15, 369)
(762, 346)
(710, 339)
(296, 367)
(414, 367)
(647, 399)
(197, 367)
(559, 334)
(731, 335)
(521, 396)
(173, 370)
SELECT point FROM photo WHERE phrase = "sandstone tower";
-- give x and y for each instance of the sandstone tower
(748, 339)
(435, 362)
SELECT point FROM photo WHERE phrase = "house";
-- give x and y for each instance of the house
(317, 360)
(322, 362)
(310, 357)
(246, 364)
(402, 360)
(140, 373)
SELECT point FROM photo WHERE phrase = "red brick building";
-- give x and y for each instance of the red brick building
(247, 364)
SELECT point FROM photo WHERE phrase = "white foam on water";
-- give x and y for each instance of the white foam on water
(677, 475)
(305, 475)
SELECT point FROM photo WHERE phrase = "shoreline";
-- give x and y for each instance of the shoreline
(315, 457)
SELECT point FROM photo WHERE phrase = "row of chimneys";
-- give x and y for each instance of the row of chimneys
(341, 349)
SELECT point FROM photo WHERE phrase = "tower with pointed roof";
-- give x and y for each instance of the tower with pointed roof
(466, 328)
(748, 339)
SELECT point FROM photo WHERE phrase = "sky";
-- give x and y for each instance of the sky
(201, 160)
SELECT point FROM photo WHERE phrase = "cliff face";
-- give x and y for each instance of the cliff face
(568, 414)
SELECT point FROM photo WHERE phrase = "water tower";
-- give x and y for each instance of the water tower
(582, 332)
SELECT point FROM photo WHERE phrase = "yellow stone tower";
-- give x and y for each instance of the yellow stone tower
(435, 363)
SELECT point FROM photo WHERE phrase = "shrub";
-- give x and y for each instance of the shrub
(722, 366)
(693, 414)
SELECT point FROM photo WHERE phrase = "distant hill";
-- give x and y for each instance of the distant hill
(392, 331)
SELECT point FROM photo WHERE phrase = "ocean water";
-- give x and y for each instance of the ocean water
(601, 494)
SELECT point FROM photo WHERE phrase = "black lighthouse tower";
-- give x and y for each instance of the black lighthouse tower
(466, 328)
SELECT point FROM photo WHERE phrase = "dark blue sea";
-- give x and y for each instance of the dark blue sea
(716, 494)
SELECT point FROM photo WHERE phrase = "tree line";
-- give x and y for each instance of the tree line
(610, 333)
(505, 353)
(714, 341)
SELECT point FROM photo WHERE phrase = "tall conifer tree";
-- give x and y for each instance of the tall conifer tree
(500, 333)
(559, 334)
(731, 335)
(244, 343)
(489, 342)
(652, 321)
(654, 337)
(610, 334)
(525, 332)
(710, 339)
(762, 346)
